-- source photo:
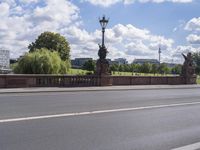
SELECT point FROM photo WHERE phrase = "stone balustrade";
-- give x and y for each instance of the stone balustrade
(18, 81)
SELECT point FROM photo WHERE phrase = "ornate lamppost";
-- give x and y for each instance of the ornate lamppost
(103, 22)
(102, 66)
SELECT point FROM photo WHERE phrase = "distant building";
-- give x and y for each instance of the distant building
(142, 61)
(5, 62)
(4, 59)
(171, 65)
(120, 61)
(79, 62)
(109, 61)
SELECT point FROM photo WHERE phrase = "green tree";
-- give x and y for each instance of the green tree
(196, 59)
(114, 67)
(145, 68)
(89, 65)
(41, 62)
(176, 69)
(154, 68)
(127, 68)
(121, 68)
(136, 68)
(164, 69)
(53, 42)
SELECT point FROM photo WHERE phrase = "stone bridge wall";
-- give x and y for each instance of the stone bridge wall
(18, 81)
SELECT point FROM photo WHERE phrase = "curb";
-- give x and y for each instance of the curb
(92, 90)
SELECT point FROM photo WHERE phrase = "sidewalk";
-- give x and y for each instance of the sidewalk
(85, 89)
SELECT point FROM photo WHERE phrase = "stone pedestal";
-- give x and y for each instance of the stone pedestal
(102, 70)
(191, 79)
(105, 80)
(102, 67)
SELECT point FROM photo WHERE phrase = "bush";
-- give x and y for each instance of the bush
(41, 61)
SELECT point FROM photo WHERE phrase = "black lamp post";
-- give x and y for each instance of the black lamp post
(103, 23)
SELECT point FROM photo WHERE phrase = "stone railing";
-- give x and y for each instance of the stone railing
(15, 81)
(147, 80)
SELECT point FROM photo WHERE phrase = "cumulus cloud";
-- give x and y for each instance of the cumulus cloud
(23, 20)
(4, 7)
(28, 1)
(121, 40)
(176, 53)
(193, 24)
(102, 3)
(193, 39)
(107, 3)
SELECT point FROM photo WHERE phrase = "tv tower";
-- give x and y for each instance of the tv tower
(159, 52)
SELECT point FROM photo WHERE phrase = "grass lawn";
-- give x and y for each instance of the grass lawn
(116, 73)
(78, 72)
(198, 79)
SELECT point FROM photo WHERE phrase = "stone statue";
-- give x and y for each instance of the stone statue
(188, 69)
(102, 52)
(102, 66)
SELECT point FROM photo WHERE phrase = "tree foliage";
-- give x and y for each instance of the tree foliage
(53, 42)
(89, 65)
(41, 61)
(154, 68)
(146, 68)
(164, 69)
(196, 59)
(177, 69)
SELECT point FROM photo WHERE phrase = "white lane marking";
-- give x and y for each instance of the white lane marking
(195, 146)
(95, 112)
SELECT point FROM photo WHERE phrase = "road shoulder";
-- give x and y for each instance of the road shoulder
(105, 88)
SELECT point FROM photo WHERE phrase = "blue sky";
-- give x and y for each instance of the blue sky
(159, 18)
(135, 30)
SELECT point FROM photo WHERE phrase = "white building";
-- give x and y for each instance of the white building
(143, 61)
(4, 59)
(121, 61)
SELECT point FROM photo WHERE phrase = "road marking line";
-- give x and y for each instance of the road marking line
(195, 146)
(95, 112)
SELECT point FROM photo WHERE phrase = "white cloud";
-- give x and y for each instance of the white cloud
(107, 3)
(193, 24)
(176, 53)
(22, 21)
(161, 1)
(122, 41)
(4, 7)
(193, 39)
(138, 49)
(104, 3)
(28, 1)
(20, 26)
(9, 2)
(126, 2)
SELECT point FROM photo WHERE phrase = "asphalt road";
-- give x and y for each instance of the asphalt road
(165, 119)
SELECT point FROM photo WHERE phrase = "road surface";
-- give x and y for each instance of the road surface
(163, 119)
